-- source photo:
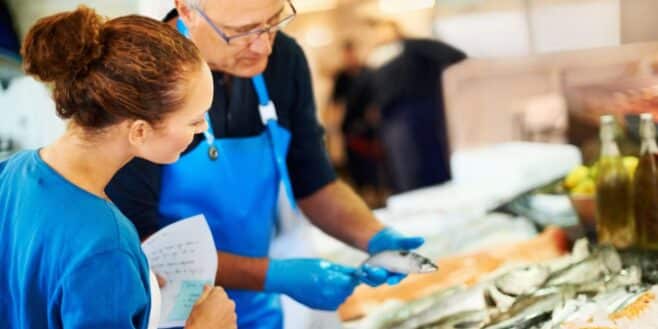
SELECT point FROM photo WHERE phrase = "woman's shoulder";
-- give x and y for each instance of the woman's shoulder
(100, 229)
(111, 230)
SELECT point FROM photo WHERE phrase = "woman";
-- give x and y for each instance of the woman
(130, 87)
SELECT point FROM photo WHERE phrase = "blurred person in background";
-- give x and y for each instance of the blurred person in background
(8, 40)
(345, 78)
(406, 87)
(9, 48)
(130, 87)
(358, 122)
(262, 134)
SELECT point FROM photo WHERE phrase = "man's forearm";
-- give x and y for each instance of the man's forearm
(238, 272)
(341, 213)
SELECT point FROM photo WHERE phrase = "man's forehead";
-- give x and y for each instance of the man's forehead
(238, 13)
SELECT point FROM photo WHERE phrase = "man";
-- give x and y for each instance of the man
(359, 127)
(233, 172)
(406, 87)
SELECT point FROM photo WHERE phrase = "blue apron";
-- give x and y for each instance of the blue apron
(235, 183)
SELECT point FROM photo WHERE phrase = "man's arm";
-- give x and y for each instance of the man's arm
(239, 272)
(341, 213)
(329, 203)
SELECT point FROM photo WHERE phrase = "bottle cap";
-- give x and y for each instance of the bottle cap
(607, 128)
(647, 127)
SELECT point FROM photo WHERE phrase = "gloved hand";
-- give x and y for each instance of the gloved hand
(316, 283)
(387, 239)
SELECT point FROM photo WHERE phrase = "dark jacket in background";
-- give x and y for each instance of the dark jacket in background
(408, 91)
(9, 43)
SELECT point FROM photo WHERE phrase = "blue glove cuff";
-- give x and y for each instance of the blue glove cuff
(273, 282)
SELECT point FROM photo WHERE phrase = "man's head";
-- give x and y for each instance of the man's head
(350, 55)
(231, 34)
(385, 31)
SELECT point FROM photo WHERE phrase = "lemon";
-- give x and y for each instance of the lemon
(575, 176)
(585, 187)
(630, 163)
(594, 171)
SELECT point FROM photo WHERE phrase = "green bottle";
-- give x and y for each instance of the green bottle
(614, 200)
(646, 187)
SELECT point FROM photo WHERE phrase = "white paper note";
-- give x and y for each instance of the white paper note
(184, 254)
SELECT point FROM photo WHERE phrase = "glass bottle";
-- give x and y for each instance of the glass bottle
(614, 202)
(645, 189)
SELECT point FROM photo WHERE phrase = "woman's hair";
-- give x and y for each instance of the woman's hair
(103, 72)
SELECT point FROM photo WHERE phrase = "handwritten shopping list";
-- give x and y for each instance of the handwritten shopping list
(184, 254)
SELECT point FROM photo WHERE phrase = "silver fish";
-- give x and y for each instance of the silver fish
(522, 280)
(530, 311)
(603, 262)
(411, 315)
(462, 320)
(403, 262)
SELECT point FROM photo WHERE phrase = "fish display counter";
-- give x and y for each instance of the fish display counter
(501, 265)
(589, 287)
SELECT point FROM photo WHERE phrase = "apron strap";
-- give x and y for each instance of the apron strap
(182, 29)
(279, 138)
(265, 105)
(269, 118)
(209, 134)
(261, 89)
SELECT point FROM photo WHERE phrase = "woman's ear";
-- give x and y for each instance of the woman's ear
(139, 132)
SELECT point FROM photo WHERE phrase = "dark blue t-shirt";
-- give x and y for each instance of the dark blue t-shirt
(69, 259)
(136, 188)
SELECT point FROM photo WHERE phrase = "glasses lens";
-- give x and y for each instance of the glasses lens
(278, 23)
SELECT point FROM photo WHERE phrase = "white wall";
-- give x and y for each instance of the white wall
(532, 27)
(155, 8)
(572, 26)
(638, 20)
(26, 12)
(488, 34)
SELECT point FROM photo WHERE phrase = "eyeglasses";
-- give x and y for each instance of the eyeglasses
(288, 12)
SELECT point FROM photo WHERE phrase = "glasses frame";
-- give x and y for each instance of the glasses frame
(268, 28)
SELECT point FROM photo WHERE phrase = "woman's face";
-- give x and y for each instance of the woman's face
(172, 136)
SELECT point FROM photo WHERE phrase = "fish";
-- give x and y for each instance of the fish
(462, 320)
(533, 296)
(494, 298)
(402, 262)
(522, 280)
(584, 309)
(646, 260)
(530, 311)
(601, 263)
(411, 314)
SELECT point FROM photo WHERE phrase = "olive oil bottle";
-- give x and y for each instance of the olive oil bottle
(645, 189)
(614, 200)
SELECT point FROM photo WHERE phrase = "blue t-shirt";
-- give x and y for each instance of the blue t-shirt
(68, 258)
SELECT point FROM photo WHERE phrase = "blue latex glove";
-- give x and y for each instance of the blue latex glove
(376, 276)
(316, 283)
(390, 239)
(387, 239)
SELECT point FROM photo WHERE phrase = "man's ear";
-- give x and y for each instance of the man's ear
(185, 12)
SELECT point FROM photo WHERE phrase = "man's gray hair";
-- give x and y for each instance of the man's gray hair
(195, 3)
